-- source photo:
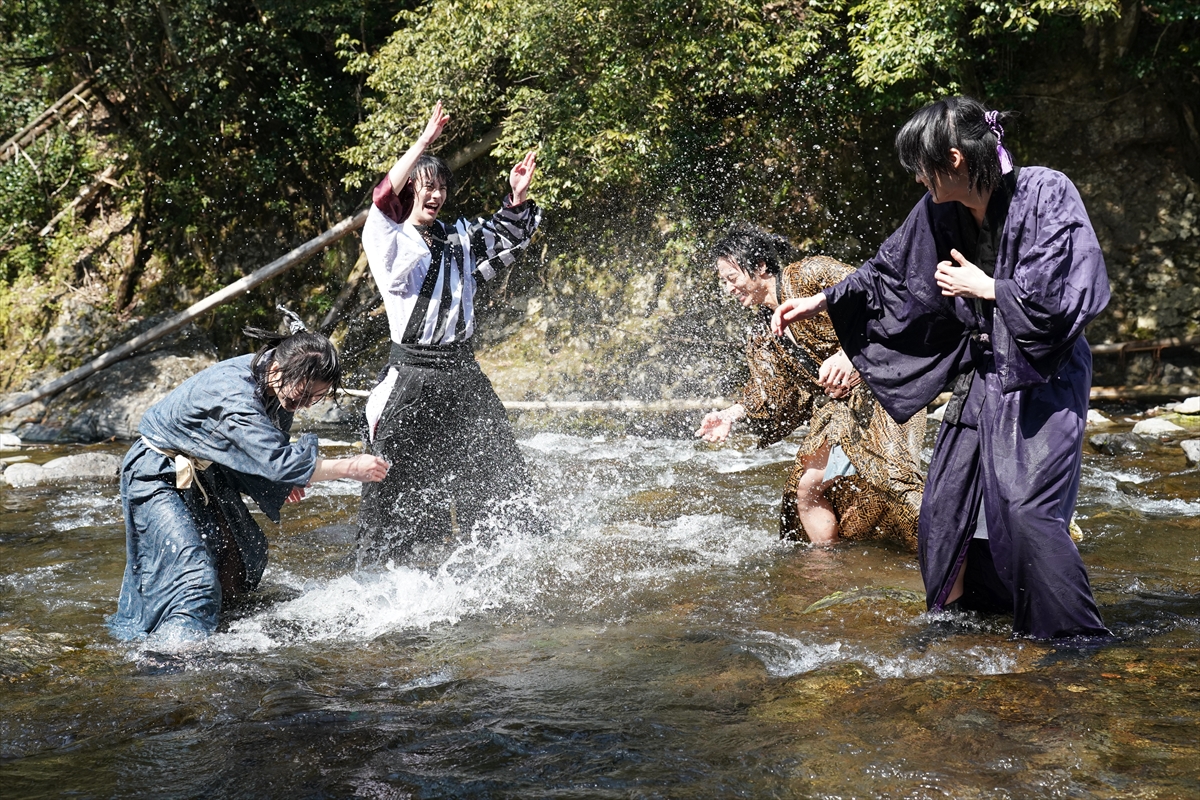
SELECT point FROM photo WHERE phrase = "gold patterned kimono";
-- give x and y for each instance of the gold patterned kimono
(880, 501)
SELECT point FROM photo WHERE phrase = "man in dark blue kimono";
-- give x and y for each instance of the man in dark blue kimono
(986, 289)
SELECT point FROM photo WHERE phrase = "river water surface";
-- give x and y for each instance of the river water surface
(662, 642)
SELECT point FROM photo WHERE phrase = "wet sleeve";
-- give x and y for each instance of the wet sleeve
(495, 242)
(1059, 282)
(777, 398)
(256, 447)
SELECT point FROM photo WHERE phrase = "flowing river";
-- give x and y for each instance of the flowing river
(662, 642)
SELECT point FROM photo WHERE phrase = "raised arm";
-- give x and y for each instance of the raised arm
(398, 174)
(521, 176)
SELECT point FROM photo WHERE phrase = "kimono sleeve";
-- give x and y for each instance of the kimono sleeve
(496, 241)
(1058, 283)
(256, 447)
(393, 250)
(777, 397)
(893, 322)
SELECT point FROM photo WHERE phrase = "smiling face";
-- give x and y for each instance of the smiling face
(429, 197)
(749, 290)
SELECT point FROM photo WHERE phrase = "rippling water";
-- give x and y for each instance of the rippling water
(662, 642)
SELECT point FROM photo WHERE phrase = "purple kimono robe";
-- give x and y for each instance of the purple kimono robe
(1021, 371)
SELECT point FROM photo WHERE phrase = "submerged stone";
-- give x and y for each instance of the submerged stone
(867, 594)
(1117, 444)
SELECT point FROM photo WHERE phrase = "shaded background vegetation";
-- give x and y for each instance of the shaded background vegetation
(238, 130)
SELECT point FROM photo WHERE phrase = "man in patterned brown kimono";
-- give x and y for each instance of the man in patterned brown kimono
(857, 473)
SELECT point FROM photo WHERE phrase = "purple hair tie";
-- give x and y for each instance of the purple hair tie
(993, 121)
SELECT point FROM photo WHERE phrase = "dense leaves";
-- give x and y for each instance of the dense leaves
(621, 96)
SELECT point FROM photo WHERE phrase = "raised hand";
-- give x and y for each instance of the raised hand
(435, 125)
(794, 309)
(521, 176)
(964, 279)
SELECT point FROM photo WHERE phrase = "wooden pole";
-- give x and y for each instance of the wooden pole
(239, 287)
(1139, 346)
(23, 137)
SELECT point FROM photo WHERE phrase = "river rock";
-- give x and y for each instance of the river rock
(110, 403)
(68, 469)
(1097, 420)
(1189, 406)
(1156, 427)
(9, 441)
(1117, 444)
(1191, 449)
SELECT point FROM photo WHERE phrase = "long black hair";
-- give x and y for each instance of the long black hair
(924, 142)
(303, 358)
(750, 248)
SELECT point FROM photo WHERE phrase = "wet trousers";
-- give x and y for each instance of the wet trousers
(455, 464)
(1021, 464)
(184, 553)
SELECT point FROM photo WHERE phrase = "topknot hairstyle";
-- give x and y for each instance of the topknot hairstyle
(924, 142)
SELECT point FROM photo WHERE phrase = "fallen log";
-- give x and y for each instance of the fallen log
(86, 196)
(239, 287)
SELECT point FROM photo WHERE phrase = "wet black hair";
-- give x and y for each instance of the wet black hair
(750, 247)
(431, 169)
(924, 142)
(303, 358)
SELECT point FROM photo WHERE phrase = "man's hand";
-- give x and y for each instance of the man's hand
(838, 376)
(964, 279)
(796, 308)
(521, 176)
(716, 425)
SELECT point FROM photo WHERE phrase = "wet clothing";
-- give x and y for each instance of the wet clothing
(1020, 370)
(434, 415)
(186, 549)
(879, 496)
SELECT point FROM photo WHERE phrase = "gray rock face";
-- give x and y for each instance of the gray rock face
(110, 404)
(1191, 449)
(68, 469)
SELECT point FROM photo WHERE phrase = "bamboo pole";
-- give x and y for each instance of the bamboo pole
(239, 287)
(642, 406)
(31, 131)
(1138, 346)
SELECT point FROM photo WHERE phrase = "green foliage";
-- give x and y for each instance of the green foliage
(230, 112)
(645, 96)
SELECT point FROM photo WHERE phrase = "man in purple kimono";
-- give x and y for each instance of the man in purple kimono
(985, 289)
